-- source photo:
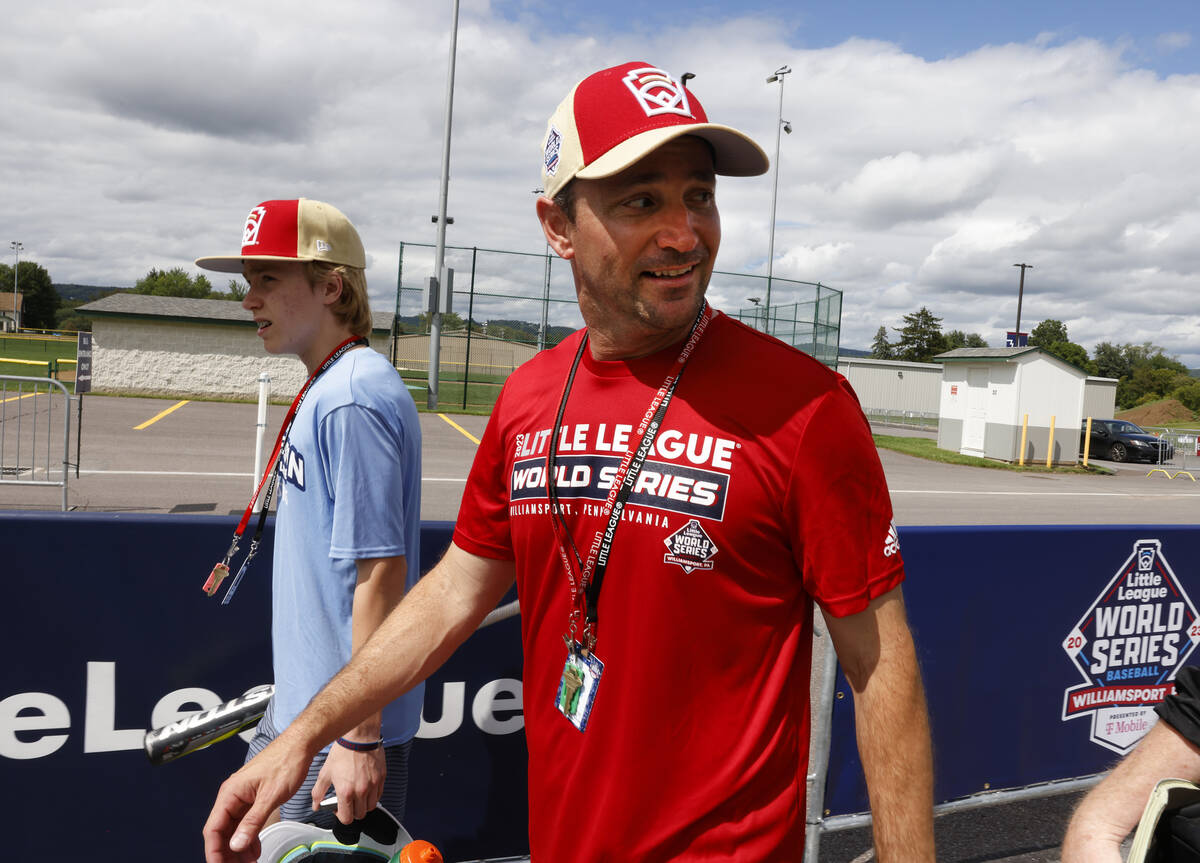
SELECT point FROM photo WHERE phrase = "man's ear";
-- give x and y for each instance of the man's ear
(331, 289)
(556, 227)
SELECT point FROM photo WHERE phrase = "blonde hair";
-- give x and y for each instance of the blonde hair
(352, 307)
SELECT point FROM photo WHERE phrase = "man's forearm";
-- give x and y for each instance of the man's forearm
(437, 615)
(1112, 809)
(892, 725)
(380, 587)
(892, 728)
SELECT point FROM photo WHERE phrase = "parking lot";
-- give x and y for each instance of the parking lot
(152, 455)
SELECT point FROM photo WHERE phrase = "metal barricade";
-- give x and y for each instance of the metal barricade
(34, 414)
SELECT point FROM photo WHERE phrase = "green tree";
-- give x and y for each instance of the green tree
(1188, 395)
(237, 290)
(1048, 332)
(959, 339)
(174, 283)
(1072, 353)
(1110, 360)
(921, 337)
(881, 348)
(450, 322)
(1051, 336)
(40, 299)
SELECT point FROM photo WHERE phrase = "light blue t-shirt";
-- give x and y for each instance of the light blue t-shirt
(349, 488)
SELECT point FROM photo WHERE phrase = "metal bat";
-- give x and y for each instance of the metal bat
(207, 727)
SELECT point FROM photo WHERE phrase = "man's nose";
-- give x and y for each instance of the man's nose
(678, 229)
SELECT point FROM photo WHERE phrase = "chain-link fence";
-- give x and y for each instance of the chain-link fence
(519, 303)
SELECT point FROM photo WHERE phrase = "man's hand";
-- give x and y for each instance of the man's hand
(356, 777)
(247, 799)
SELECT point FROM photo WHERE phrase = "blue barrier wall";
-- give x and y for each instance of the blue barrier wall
(990, 608)
(104, 618)
(104, 621)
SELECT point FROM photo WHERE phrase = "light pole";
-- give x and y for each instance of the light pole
(439, 254)
(785, 126)
(16, 246)
(1021, 294)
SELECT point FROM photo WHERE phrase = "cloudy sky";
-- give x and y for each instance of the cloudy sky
(934, 145)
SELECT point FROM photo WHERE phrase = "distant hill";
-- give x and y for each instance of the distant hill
(853, 352)
(85, 293)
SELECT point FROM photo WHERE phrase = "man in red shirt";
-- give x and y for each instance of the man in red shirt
(667, 573)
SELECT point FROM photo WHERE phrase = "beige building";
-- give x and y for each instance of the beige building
(175, 346)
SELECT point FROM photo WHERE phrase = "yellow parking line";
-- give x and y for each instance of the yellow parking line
(468, 435)
(155, 419)
(18, 398)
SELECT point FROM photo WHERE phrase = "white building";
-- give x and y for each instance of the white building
(176, 346)
(991, 397)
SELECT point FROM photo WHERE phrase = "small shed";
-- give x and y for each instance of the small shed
(12, 309)
(989, 396)
(892, 386)
(190, 348)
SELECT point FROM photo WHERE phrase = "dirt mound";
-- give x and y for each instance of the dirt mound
(1157, 413)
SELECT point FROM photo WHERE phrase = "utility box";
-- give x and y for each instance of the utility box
(986, 394)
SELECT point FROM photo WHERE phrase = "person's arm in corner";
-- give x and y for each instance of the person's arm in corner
(358, 777)
(436, 616)
(877, 655)
(1113, 808)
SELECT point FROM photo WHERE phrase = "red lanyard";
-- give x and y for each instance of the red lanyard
(268, 479)
(585, 589)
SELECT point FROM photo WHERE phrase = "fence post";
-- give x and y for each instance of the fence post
(1050, 444)
(260, 429)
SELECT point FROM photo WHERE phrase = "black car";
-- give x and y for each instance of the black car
(1120, 440)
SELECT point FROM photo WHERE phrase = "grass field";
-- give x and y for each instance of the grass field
(481, 395)
(46, 351)
(928, 449)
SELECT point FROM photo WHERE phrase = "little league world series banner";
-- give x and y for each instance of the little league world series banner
(1043, 650)
(108, 634)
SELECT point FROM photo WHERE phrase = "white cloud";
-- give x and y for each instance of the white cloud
(138, 134)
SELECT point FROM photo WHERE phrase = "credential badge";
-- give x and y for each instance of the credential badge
(253, 223)
(690, 548)
(657, 92)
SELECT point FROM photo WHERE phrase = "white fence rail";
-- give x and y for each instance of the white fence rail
(35, 430)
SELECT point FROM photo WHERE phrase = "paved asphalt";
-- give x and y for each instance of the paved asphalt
(199, 458)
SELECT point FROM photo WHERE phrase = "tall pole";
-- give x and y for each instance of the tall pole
(16, 246)
(439, 255)
(1021, 294)
(778, 76)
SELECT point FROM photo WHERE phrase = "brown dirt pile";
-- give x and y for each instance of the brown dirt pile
(1157, 413)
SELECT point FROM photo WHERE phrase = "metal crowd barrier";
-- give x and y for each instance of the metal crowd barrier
(34, 415)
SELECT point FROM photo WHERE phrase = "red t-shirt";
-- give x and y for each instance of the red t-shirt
(763, 492)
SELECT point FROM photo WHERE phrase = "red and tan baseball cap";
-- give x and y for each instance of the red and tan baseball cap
(614, 117)
(295, 230)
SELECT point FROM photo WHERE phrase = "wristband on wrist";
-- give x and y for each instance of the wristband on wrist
(359, 747)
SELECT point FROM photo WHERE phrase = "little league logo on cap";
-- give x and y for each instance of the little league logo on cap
(293, 230)
(616, 116)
